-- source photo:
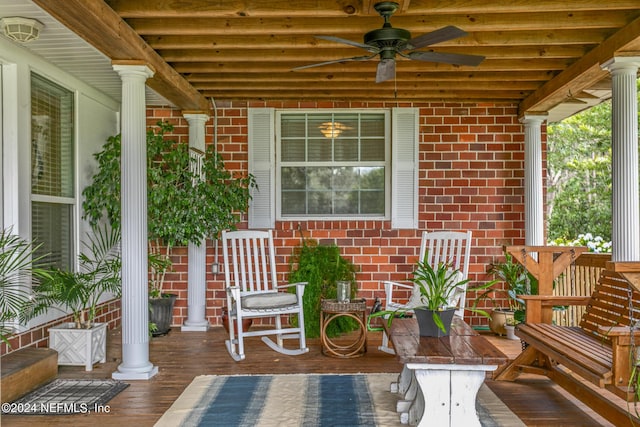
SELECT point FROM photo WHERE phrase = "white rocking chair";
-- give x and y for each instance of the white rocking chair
(252, 292)
(449, 247)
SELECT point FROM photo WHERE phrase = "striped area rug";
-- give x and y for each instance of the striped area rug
(304, 400)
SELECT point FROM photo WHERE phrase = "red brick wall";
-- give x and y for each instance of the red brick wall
(471, 178)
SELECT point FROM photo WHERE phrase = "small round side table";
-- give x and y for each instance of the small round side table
(356, 309)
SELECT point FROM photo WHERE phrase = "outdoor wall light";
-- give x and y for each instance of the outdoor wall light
(20, 29)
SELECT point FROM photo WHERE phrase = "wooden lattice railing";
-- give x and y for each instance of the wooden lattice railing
(578, 279)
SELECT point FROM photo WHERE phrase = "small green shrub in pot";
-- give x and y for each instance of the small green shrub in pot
(321, 267)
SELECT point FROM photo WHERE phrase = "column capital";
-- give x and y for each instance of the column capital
(622, 63)
(532, 119)
(132, 68)
(195, 116)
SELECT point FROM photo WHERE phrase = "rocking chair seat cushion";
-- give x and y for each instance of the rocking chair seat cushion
(268, 300)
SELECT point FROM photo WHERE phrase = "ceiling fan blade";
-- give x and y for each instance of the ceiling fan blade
(386, 70)
(349, 42)
(437, 36)
(335, 61)
(447, 58)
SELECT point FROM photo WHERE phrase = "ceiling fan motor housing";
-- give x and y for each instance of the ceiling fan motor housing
(387, 37)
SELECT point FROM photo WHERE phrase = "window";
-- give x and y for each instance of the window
(369, 170)
(52, 179)
(333, 164)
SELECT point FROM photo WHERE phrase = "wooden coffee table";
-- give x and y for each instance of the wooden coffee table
(441, 376)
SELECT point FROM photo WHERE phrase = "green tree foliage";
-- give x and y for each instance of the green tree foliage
(181, 207)
(579, 175)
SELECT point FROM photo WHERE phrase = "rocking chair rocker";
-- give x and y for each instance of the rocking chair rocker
(252, 292)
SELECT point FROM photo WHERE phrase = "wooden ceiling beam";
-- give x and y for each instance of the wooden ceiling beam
(583, 73)
(476, 38)
(100, 26)
(523, 87)
(357, 94)
(536, 21)
(542, 64)
(310, 8)
(320, 55)
(493, 76)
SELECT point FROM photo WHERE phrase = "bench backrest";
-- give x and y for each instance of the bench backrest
(614, 302)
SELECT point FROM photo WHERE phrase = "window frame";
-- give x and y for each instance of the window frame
(387, 163)
(69, 201)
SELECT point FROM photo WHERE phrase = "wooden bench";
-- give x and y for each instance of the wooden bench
(441, 376)
(591, 361)
(25, 370)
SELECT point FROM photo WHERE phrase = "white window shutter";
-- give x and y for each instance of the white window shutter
(404, 167)
(261, 138)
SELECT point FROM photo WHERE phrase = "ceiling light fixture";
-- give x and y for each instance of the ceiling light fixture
(21, 29)
(332, 129)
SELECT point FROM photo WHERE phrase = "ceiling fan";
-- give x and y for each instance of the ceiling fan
(388, 41)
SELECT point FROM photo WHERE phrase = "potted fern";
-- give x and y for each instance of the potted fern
(18, 271)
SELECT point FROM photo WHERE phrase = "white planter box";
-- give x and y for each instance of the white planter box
(78, 347)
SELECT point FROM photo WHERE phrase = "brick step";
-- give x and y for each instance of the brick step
(25, 370)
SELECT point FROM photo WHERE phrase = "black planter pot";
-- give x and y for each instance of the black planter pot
(428, 327)
(161, 313)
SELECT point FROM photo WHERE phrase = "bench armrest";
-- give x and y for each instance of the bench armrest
(623, 339)
(535, 303)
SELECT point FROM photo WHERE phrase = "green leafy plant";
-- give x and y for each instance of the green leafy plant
(19, 269)
(321, 267)
(436, 288)
(182, 207)
(80, 292)
(518, 282)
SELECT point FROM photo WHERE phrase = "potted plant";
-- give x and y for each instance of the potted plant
(182, 206)
(322, 266)
(82, 341)
(160, 303)
(518, 282)
(510, 328)
(433, 299)
(19, 269)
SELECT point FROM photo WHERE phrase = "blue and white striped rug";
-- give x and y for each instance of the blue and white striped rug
(303, 400)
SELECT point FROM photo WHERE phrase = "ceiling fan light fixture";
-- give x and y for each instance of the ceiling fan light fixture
(332, 129)
(22, 30)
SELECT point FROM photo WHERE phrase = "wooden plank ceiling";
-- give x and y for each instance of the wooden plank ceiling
(537, 53)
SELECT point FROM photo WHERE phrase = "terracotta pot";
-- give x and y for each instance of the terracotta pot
(246, 323)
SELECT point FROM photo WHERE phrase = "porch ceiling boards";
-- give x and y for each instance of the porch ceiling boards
(538, 53)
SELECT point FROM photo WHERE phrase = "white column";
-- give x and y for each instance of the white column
(135, 293)
(533, 207)
(197, 290)
(624, 157)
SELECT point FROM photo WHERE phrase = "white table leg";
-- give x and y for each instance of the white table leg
(447, 395)
(464, 390)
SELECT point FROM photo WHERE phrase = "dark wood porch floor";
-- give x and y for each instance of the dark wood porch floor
(181, 356)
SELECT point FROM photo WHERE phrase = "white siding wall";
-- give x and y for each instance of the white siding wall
(96, 118)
